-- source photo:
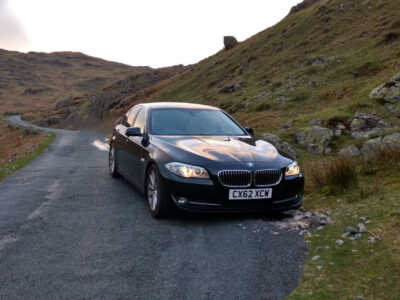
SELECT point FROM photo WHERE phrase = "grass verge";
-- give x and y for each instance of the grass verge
(357, 267)
(11, 167)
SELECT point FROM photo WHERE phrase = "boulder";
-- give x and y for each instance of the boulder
(363, 122)
(389, 91)
(392, 141)
(280, 144)
(230, 42)
(302, 5)
(232, 87)
(351, 151)
(364, 135)
(375, 145)
(315, 138)
(367, 126)
(287, 125)
(370, 147)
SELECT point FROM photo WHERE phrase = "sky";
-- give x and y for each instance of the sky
(154, 33)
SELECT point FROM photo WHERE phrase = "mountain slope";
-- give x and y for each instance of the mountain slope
(321, 62)
(103, 106)
(34, 81)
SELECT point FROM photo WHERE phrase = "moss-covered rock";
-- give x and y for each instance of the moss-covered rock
(316, 138)
(388, 92)
(351, 151)
(373, 146)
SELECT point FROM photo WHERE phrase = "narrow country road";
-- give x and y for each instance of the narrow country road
(70, 231)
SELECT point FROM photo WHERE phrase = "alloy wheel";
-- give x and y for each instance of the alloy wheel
(152, 190)
(111, 160)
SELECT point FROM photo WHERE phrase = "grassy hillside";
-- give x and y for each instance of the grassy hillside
(34, 82)
(321, 62)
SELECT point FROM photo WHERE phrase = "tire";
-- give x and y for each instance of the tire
(157, 199)
(112, 162)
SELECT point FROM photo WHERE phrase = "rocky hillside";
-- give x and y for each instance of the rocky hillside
(34, 82)
(318, 66)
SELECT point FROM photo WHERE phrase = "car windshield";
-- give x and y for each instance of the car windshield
(180, 121)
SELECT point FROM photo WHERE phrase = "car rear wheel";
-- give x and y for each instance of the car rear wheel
(112, 162)
(156, 197)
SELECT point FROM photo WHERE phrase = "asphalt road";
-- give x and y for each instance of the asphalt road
(70, 231)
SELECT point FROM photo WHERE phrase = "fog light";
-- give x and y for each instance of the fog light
(182, 200)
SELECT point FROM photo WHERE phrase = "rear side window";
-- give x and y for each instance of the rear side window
(141, 120)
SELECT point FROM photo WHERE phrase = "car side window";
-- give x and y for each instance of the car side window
(131, 116)
(141, 120)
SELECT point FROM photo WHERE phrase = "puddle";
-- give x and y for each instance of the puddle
(100, 145)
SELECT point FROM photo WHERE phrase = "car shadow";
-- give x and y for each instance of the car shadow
(213, 218)
(201, 218)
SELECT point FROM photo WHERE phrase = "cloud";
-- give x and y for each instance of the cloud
(12, 34)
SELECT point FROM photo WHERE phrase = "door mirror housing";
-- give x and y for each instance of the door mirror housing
(250, 131)
(133, 131)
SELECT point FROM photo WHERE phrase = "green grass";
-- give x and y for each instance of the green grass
(370, 189)
(10, 168)
(357, 268)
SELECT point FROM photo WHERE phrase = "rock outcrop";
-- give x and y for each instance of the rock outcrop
(388, 92)
(302, 5)
(316, 138)
(366, 126)
(280, 144)
(230, 42)
(232, 87)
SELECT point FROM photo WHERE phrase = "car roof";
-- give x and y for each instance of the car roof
(153, 105)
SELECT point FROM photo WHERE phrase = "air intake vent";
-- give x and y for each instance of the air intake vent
(267, 177)
(235, 178)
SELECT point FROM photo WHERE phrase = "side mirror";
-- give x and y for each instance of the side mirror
(133, 131)
(250, 131)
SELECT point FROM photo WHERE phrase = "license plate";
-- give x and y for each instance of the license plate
(250, 194)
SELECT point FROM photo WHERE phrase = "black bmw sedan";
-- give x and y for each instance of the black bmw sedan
(198, 158)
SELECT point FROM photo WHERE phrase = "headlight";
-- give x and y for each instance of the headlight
(187, 171)
(292, 169)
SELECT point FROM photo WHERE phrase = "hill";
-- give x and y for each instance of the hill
(319, 63)
(33, 82)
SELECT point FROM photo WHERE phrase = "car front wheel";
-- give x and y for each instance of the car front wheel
(156, 197)
(112, 162)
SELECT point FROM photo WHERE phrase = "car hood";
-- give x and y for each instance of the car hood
(210, 149)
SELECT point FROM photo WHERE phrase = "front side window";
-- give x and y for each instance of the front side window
(141, 120)
(181, 121)
(131, 116)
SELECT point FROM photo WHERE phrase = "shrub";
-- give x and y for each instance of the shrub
(263, 106)
(311, 70)
(334, 176)
(371, 67)
(381, 159)
(302, 95)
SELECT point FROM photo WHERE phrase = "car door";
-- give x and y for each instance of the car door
(121, 145)
(137, 150)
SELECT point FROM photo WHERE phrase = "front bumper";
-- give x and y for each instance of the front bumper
(211, 196)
